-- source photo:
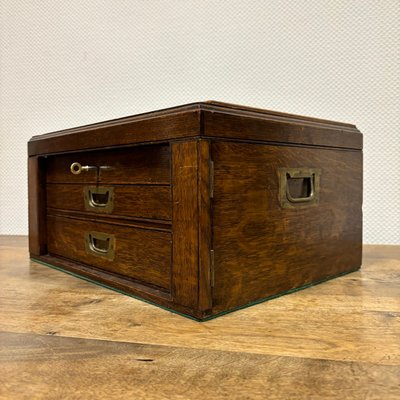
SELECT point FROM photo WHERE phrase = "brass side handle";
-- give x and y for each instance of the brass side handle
(100, 244)
(307, 183)
(298, 186)
(99, 198)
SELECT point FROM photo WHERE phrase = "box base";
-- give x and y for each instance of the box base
(262, 300)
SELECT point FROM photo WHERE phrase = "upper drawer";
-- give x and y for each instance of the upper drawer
(133, 165)
(144, 201)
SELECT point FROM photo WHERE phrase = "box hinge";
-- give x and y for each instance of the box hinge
(211, 179)
(212, 269)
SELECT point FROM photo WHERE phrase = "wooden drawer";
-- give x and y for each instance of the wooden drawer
(144, 255)
(144, 201)
(133, 165)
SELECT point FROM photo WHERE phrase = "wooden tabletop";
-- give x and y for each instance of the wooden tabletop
(65, 338)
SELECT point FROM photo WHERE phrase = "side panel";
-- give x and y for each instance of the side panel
(204, 179)
(185, 214)
(191, 225)
(37, 206)
(263, 249)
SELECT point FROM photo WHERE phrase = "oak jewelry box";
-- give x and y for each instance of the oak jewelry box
(202, 208)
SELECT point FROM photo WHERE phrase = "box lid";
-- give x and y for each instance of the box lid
(207, 119)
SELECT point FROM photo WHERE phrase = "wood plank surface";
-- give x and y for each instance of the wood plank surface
(67, 338)
(51, 367)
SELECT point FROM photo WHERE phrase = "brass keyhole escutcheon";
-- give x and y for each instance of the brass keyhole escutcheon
(76, 168)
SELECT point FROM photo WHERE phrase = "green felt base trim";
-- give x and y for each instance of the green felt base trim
(274, 296)
(262, 300)
(114, 289)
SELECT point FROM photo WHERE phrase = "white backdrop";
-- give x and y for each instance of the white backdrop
(68, 63)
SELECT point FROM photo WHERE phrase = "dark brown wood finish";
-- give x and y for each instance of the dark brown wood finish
(213, 105)
(126, 131)
(37, 206)
(205, 178)
(200, 119)
(200, 223)
(281, 130)
(262, 249)
(144, 255)
(145, 201)
(185, 214)
(135, 165)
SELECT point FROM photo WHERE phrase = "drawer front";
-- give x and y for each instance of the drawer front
(144, 255)
(134, 165)
(144, 201)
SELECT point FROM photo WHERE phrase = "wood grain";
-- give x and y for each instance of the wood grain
(205, 177)
(227, 252)
(256, 127)
(51, 367)
(132, 165)
(213, 105)
(37, 205)
(127, 131)
(140, 254)
(262, 249)
(207, 119)
(185, 213)
(353, 318)
(67, 338)
(143, 201)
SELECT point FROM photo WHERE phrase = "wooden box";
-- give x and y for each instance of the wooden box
(202, 208)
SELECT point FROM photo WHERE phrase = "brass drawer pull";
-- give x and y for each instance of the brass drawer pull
(100, 244)
(298, 186)
(99, 198)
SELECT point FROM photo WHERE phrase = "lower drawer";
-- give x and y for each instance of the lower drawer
(142, 254)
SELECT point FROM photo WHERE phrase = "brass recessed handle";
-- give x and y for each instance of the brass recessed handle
(99, 198)
(76, 168)
(307, 182)
(100, 244)
(298, 186)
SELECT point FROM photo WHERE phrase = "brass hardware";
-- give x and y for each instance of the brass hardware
(105, 167)
(298, 186)
(100, 244)
(99, 198)
(212, 268)
(76, 168)
(211, 179)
